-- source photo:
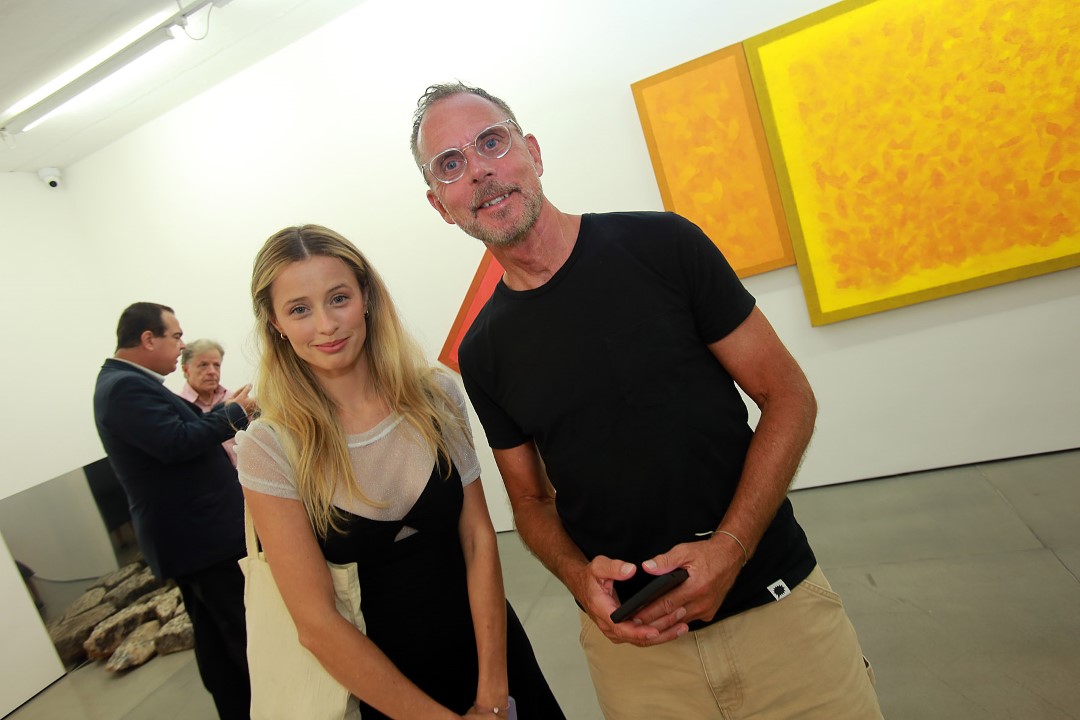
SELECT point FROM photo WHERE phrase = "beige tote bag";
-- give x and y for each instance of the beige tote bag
(287, 682)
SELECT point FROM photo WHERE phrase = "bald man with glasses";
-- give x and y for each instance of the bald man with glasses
(606, 371)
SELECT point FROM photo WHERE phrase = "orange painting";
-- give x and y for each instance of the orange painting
(709, 154)
(924, 148)
(483, 285)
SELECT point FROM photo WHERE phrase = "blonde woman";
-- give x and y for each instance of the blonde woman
(363, 454)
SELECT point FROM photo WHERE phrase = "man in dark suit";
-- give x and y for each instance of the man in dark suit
(185, 499)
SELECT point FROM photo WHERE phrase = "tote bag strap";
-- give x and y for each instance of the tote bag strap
(251, 539)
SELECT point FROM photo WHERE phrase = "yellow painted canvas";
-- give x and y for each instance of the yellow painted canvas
(924, 148)
(709, 153)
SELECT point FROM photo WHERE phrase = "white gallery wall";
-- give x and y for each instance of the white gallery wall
(27, 661)
(175, 212)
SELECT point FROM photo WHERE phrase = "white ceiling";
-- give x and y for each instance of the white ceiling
(40, 39)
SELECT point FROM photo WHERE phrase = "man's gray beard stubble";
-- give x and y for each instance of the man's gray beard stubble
(514, 235)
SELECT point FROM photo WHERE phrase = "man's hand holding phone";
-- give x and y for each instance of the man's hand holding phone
(657, 586)
(594, 588)
(713, 565)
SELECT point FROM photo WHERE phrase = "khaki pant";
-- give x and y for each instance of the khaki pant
(797, 658)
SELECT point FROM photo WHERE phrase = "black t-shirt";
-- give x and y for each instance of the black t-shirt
(606, 367)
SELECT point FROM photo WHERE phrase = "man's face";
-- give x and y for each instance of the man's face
(498, 200)
(165, 350)
(203, 372)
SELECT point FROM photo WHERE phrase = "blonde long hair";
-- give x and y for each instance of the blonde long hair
(295, 405)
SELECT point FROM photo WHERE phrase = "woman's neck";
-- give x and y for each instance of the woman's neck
(359, 404)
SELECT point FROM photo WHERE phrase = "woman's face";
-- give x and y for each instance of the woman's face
(203, 372)
(319, 307)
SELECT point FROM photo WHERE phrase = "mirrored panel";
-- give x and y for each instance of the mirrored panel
(73, 543)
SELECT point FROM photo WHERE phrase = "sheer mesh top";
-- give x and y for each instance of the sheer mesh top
(391, 463)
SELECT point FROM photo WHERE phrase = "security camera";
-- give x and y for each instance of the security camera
(50, 176)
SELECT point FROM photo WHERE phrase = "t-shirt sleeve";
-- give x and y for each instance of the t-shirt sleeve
(502, 432)
(460, 440)
(262, 464)
(718, 298)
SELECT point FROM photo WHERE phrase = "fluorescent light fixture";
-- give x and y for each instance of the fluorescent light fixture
(42, 103)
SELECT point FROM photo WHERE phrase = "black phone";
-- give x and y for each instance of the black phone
(657, 587)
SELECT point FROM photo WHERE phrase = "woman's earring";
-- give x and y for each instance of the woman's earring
(366, 311)
(282, 335)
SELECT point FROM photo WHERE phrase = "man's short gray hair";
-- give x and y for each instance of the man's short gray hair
(434, 94)
(198, 347)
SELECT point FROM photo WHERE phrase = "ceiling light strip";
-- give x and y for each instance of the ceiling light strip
(160, 34)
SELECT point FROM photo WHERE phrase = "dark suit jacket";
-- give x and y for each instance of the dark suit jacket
(185, 499)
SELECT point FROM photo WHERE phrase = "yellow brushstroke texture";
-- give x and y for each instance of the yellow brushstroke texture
(712, 162)
(929, 143)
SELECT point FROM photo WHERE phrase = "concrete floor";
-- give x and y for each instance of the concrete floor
(962, 583)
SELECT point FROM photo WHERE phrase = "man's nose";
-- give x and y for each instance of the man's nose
(477, 166)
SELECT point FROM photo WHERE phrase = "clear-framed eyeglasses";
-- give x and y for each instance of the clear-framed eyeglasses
(492, 142)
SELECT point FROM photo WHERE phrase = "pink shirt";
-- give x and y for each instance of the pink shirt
(188, 393)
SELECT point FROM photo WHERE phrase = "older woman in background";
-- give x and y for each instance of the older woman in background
(201, 363)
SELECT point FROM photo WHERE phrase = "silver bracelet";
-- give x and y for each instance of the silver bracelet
(746, 557)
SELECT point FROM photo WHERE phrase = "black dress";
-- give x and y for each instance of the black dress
(415, 601)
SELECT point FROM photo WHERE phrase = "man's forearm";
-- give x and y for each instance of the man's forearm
(774, 455)
(542, 531)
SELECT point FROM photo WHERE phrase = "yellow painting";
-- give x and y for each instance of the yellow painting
(710, 157)
(924, 148)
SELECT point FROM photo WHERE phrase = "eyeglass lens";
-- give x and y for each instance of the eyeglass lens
(492, 142)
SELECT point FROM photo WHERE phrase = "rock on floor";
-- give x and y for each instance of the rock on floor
(137, 649)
